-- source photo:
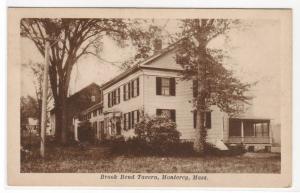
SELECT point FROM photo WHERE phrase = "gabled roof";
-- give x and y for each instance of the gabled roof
(141, 65)
(92, 108)
(83, 89)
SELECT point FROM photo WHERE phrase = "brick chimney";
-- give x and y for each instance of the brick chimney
(157, 45)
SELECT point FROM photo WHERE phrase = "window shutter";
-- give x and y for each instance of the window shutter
(132, 119)
(108, 97)
(158, 112)
(138, 116)
(129, 120)
(138, 86)
(208, 120)
(124, 92)
(119, 93)
(129, 90)
(195, 88)
(158, 85)
(124, 117)
(195, 118)
(132, 89)
(172, 87)
(173, 115)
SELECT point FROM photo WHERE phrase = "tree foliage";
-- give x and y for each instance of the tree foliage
(214, 84)
(70, 39)
(29, 109)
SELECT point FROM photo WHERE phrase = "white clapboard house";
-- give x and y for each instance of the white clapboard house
(155, 87)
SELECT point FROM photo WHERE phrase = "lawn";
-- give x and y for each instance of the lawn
(99, 160)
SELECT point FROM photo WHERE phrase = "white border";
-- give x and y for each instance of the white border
(294, 4)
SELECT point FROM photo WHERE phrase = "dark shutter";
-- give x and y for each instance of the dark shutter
(172, 87)
(119, 93)
(132, 118)
(138, 86)
(158, 85)
(108, 97)
(208, 120)
(129, 120)
(173, 115)
(124, 92)
(129, 90)
(195, 118)
(132, 89)
(124, 125)
(158, 112)
(138, 116)
(195, 88)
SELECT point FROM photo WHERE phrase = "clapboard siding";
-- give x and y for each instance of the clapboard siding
(132, 104)
(182, 103)
(129, 105)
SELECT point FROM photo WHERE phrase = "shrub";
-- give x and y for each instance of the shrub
(85, 132)
(159, 133)
(154, 136)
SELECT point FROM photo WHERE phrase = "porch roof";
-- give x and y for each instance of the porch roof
(252, 118)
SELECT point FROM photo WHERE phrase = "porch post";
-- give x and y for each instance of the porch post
(242, 131)
(76, 130)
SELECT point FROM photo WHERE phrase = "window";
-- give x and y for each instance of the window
(135, 87)
(195, 88)
(125, 92)
(94, 113)
(207, 119)
(114, 97)
(93, 98)
(131, 89)
(262, 129)
(130, 119)
(165, 86)
(109, 100)
(169, 113)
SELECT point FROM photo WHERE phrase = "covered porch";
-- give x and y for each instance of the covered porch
(249, 130)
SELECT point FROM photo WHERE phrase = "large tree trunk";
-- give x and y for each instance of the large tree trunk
(61, 120)
(200, 138)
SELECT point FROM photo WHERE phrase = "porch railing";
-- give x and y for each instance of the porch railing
(249, 139)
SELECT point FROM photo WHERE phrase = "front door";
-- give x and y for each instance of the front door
(118, 127)
(102, 137)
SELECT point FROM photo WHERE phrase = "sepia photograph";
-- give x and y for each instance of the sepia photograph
(157, 96)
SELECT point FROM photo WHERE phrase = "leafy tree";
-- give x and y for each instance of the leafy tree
(70, 39)
(214, 84)
(29, 108)
(37, 70)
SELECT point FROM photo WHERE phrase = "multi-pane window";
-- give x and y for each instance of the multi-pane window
(94, 113)
(169, 113)
(135, 87)
(130, 119)
(207, 119)
(114, 97)
(165, 86)
(131, 89)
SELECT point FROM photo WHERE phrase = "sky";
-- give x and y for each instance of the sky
(253, 54)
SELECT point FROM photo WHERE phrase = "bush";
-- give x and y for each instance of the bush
(85, 132)
(154, 136)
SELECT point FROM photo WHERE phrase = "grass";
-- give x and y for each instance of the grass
(99, 160)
